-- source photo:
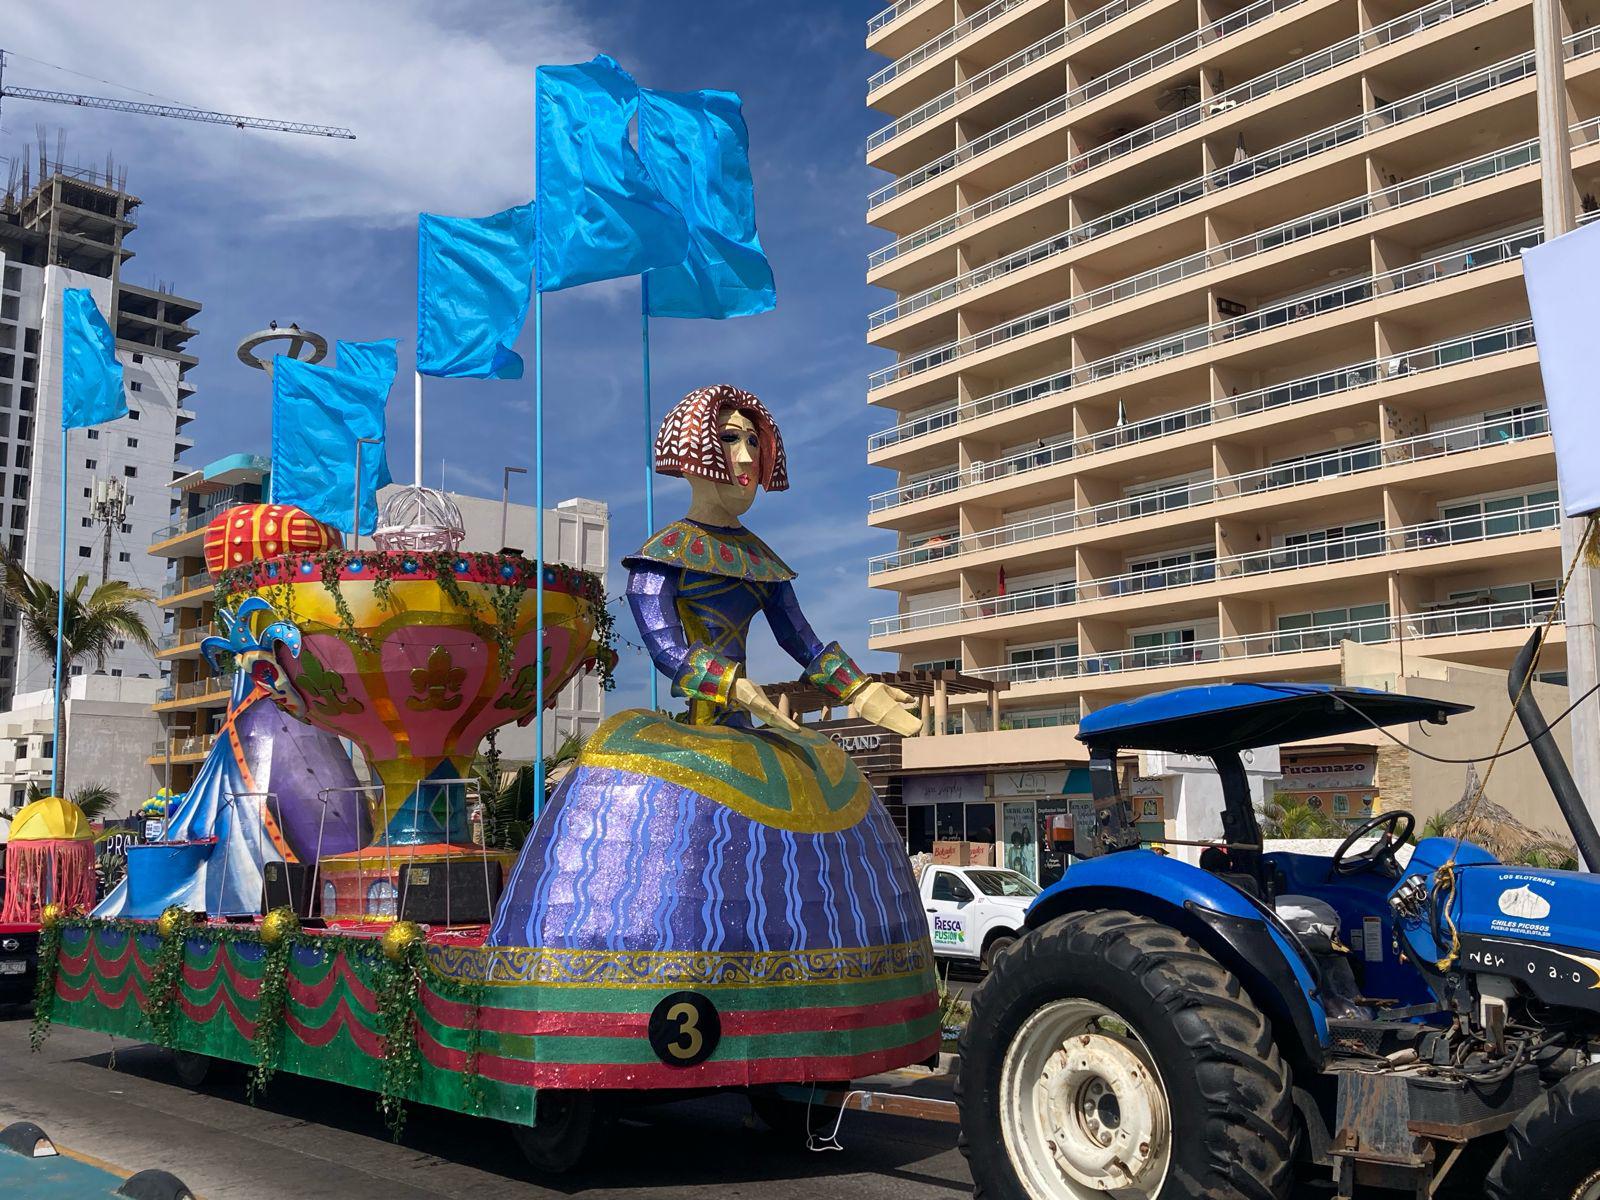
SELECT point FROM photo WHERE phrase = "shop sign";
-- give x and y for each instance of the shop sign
(1017, 828)
(1028, 783)
(1327, 774)
(942, 789)
(874, 750)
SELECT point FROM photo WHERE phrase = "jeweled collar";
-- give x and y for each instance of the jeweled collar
(713, 550)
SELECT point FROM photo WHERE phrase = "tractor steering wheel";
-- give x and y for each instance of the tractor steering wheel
(1396, 825)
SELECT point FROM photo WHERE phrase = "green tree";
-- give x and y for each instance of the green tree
(507, 797)
(1292, 819)
(113, 612)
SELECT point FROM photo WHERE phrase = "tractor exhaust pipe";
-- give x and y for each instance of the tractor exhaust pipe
(1579, 822)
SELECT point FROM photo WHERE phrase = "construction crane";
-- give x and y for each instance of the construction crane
(167, 110)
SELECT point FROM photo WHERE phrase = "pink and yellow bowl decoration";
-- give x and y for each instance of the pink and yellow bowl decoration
(416, 656)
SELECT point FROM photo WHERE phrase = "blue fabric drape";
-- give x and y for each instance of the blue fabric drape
(601, 216)
(697, 150)
(91, 376)
(380, 360)
(317, 415)
(474, 281)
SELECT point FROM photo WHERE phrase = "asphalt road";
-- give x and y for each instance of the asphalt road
(118, 1101)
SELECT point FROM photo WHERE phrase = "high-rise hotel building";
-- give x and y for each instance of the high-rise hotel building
(1211, 348)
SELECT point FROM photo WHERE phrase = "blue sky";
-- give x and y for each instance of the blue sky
(261, 226)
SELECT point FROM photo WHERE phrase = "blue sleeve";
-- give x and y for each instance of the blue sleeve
(789, 624)
(653, 597)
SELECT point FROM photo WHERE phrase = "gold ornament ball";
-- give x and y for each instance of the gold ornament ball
(170, 920)
(399, 939)
(51, 914)
(278, 924)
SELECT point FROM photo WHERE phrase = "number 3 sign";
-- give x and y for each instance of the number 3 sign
(685, 1029)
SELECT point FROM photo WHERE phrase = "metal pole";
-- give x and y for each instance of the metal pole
(416, 417)
(61, 619)
(538, 474)
(1557, 194)
(505, 497)
(649, 451)
(355, 518)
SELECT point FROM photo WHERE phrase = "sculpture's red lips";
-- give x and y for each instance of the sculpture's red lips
(744, 480)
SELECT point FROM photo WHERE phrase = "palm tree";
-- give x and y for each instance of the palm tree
(92, 625)
(508, 797)
(1291, 818)
(96, 800)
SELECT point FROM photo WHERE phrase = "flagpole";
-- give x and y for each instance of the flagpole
(649, 448)
(416, 418)
(61, 620)
(538, 471)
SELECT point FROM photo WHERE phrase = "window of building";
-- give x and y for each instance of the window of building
(91, 464)
(25, 400)
(131, 472)
(87, 522)
(1051, 660)
(1336, 543)
(1326, 628)
(116, 672)
(19, 487)
(84, 552)
(94, 435)
(24, 457)
(88, 493)
(138, 358)
(133, 413)
(17, 544)
(30, 341)
(132, 442)
(19, 517)
(136, 386)
(123, 556)
(941, 664)
(1322, 464)
(1496, 516)
(125, 527)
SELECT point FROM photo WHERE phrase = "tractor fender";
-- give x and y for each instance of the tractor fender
(1242, 935)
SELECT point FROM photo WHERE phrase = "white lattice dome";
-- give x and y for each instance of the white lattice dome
(419, 518)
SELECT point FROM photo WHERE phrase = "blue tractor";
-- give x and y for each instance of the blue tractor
(1165, 1031)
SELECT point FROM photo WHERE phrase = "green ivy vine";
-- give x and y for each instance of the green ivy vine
(44, 984)
(272, 1008)
(398, 984)
(166, 978)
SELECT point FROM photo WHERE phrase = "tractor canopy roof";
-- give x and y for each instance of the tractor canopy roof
(1228, 717)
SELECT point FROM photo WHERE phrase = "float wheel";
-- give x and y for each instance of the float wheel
(567, 1126)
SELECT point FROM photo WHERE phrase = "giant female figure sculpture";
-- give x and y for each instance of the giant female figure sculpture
(751, 866)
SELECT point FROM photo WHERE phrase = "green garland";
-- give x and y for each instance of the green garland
(397, 988)
(272, 1009)
(398, 984)
(44, 984)
(383, 568)
(166, 978)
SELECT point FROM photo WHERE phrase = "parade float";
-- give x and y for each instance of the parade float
(712, 898)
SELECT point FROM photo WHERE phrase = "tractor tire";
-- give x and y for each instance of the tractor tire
(1553, 1147)
(1164, 1079)
(568, 1126)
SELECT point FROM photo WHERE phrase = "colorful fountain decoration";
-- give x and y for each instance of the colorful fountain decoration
(413, 650)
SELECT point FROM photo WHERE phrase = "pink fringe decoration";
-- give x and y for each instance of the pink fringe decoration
(48, 872)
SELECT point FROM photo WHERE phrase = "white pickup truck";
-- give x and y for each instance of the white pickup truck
(975, 912)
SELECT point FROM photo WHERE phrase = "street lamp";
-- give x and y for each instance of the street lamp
(505, 497)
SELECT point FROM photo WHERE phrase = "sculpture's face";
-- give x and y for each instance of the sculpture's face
(741, 445)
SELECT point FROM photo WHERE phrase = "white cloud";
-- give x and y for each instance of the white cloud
(442, 108)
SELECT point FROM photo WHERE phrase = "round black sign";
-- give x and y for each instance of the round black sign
(685, 1029)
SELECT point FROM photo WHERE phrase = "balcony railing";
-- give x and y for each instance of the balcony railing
(183, 637)
(1346, 212)
(1428, 101)
(965, 29)
(1448, 353)
(1336, 463)
(1094, 88)
(891, 14)
(1372, 543)
(212, 685)
(1301, 69)
(179, 746)
(187, 583)
(1455, 622)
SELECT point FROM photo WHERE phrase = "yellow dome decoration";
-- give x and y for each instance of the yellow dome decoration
(51, 820)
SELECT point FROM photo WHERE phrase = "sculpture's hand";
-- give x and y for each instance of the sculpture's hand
(752, 699)
(889, 708)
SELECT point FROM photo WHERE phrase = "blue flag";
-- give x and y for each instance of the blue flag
(371, 358)
(91, 376)
(317, 415)
(697, 150)
(474, 281)
(600, 216)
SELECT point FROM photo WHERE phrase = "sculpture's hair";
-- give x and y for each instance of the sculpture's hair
(689, 441)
